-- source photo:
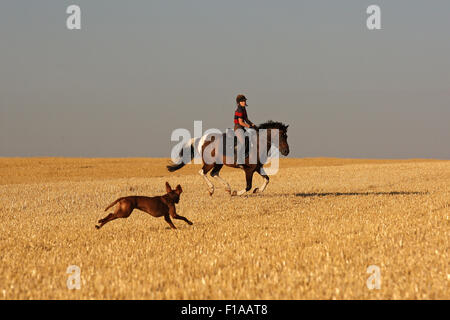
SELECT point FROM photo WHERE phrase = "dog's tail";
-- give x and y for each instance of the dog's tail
(112, 204)
(174, 166)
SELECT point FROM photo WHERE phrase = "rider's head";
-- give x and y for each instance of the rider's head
(241, 100)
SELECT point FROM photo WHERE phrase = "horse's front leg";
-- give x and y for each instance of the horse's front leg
(265, 183)
(248, 177)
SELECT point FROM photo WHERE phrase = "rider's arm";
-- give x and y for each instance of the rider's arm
(250, 124)
(247, 120)
(242, 123)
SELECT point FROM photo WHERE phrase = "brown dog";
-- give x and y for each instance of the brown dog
(156, 206)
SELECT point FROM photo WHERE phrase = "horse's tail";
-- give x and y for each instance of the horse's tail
(112, 204)
(175, 166)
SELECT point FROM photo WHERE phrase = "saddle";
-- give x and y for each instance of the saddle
(231, 135)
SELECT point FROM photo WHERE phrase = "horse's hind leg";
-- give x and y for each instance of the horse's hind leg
(203, 171)
(215, 173)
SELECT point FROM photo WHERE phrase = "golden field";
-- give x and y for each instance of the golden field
(311, 235)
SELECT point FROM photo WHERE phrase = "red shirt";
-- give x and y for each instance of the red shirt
(240, 113)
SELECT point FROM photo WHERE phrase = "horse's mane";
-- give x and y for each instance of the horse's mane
(273, 125)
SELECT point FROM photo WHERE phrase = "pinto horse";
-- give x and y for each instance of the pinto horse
(249, 166)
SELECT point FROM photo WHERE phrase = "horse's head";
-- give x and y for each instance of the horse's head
(282, 132)
(284, 146)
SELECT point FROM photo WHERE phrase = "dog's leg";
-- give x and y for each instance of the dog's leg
(167, 218)
(106, 219)
(183, 218)
(123, 210)
(174, 215)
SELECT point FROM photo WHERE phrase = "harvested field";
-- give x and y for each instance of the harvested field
(311, 235)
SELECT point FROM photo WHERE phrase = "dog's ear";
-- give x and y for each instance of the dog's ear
(168, 188)
(178, 189)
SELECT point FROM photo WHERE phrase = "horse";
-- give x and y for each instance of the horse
(248, 166)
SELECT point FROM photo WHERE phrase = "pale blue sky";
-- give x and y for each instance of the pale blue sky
(139, 69)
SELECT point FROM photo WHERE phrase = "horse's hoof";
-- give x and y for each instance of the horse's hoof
(256, 190)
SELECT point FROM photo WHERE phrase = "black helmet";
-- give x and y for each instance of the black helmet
(240, 98)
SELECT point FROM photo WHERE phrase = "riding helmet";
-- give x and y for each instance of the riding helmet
(240, 98)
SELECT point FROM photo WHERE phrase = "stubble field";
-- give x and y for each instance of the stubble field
(311, 235)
